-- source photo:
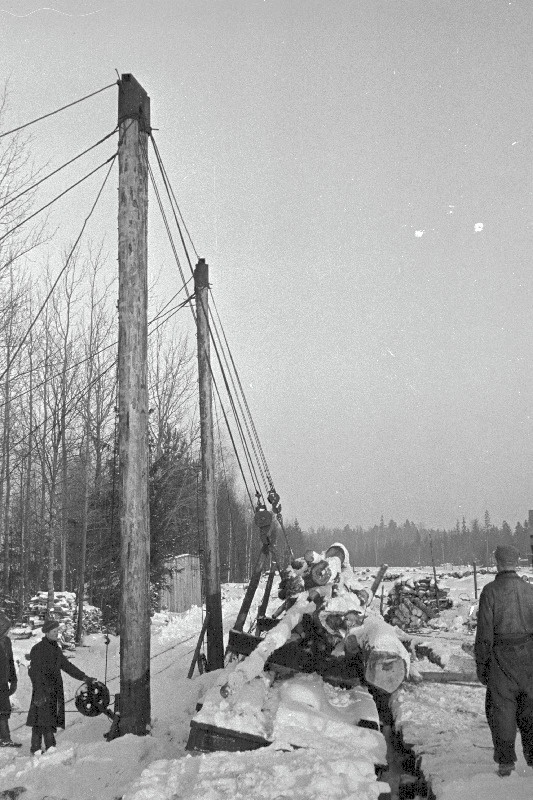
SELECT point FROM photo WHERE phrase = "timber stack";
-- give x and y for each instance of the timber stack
(412, 603)
(65, 611)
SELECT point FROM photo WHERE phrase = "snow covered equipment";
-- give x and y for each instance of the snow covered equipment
(297, 655)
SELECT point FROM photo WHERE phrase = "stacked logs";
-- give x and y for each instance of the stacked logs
(9, 606)
(65, 610)
(64, 606)
(413, 603)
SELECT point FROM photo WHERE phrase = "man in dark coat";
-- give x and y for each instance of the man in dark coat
(504, 659)
(47, 707)
(8, 682)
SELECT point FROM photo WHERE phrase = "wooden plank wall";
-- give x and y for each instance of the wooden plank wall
(184, 588)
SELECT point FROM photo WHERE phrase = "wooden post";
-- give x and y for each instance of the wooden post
(475, 580)
(434, 572)
(530, 527)
(134, 126)
(213, 601)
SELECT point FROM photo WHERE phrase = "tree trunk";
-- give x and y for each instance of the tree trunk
(64, 488)
(7, 467)
(386, 660)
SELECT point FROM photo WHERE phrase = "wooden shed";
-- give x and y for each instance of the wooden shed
(184, 588)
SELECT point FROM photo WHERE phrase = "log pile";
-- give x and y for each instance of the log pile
(413, 603)
(9, 606)
(65, 610)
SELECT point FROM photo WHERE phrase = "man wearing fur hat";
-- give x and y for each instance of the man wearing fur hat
(504, 659)
(47, 707)
(8, 682)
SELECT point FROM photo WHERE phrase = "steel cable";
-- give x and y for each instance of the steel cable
(51, 174)
(51, 113)
(62, 271)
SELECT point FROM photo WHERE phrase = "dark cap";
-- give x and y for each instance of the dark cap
(507, 554)
(49, 625)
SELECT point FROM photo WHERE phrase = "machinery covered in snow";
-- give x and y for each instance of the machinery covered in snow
(312, 669)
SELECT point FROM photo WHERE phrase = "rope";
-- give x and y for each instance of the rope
(171, 313)
(260, 466)
(230, 538)
(259, 453)
(256, 435)
(170, 301)
(210, 327)
(56, 375)
(169, 233)
(62, 271)
(51, 113)
(96, 353)
(66, 164)
(81, 394)
(113, 488)
(173, 201)
(235, 448)
(58, 197)
(163, 215)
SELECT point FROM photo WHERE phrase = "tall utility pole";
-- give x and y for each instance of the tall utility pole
(213, 601)
(134, 127)
(530, 528)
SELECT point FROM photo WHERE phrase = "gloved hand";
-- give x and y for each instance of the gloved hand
(90, 680)
(12, 688)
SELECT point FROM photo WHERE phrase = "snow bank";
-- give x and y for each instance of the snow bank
(445, 725)
(265, 774)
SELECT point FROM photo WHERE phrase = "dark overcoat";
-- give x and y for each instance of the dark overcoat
(47, 707)
(504, 661)
(505, 618)
(7, 674)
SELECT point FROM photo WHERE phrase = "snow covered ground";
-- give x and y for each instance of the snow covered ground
(444, 723)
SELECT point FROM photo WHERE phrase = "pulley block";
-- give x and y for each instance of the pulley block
(92, 699)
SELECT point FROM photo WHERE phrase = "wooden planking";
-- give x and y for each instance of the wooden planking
(451, 677)
(183, 589)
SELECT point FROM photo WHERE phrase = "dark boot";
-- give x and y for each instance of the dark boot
(36, 736)
(5, 735)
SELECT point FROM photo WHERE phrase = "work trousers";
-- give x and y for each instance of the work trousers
(38, 734)
(509, 701)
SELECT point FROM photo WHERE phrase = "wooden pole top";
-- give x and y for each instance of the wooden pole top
(133, 102)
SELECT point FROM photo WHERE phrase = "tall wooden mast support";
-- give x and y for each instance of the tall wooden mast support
(134, 125)
(530, 528)
(215, 638)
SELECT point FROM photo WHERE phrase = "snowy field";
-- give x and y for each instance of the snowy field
(443, 723)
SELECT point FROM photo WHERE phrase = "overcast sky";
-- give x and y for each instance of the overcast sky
(358, 175)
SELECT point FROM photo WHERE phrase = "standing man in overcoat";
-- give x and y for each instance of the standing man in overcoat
(47, 707)
(504, 659)
(8, 682)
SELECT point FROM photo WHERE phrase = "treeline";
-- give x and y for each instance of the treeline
(410, 545)
(59, 467)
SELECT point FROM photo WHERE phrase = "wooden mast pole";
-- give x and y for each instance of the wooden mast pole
(213, 601)
(134, 127)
